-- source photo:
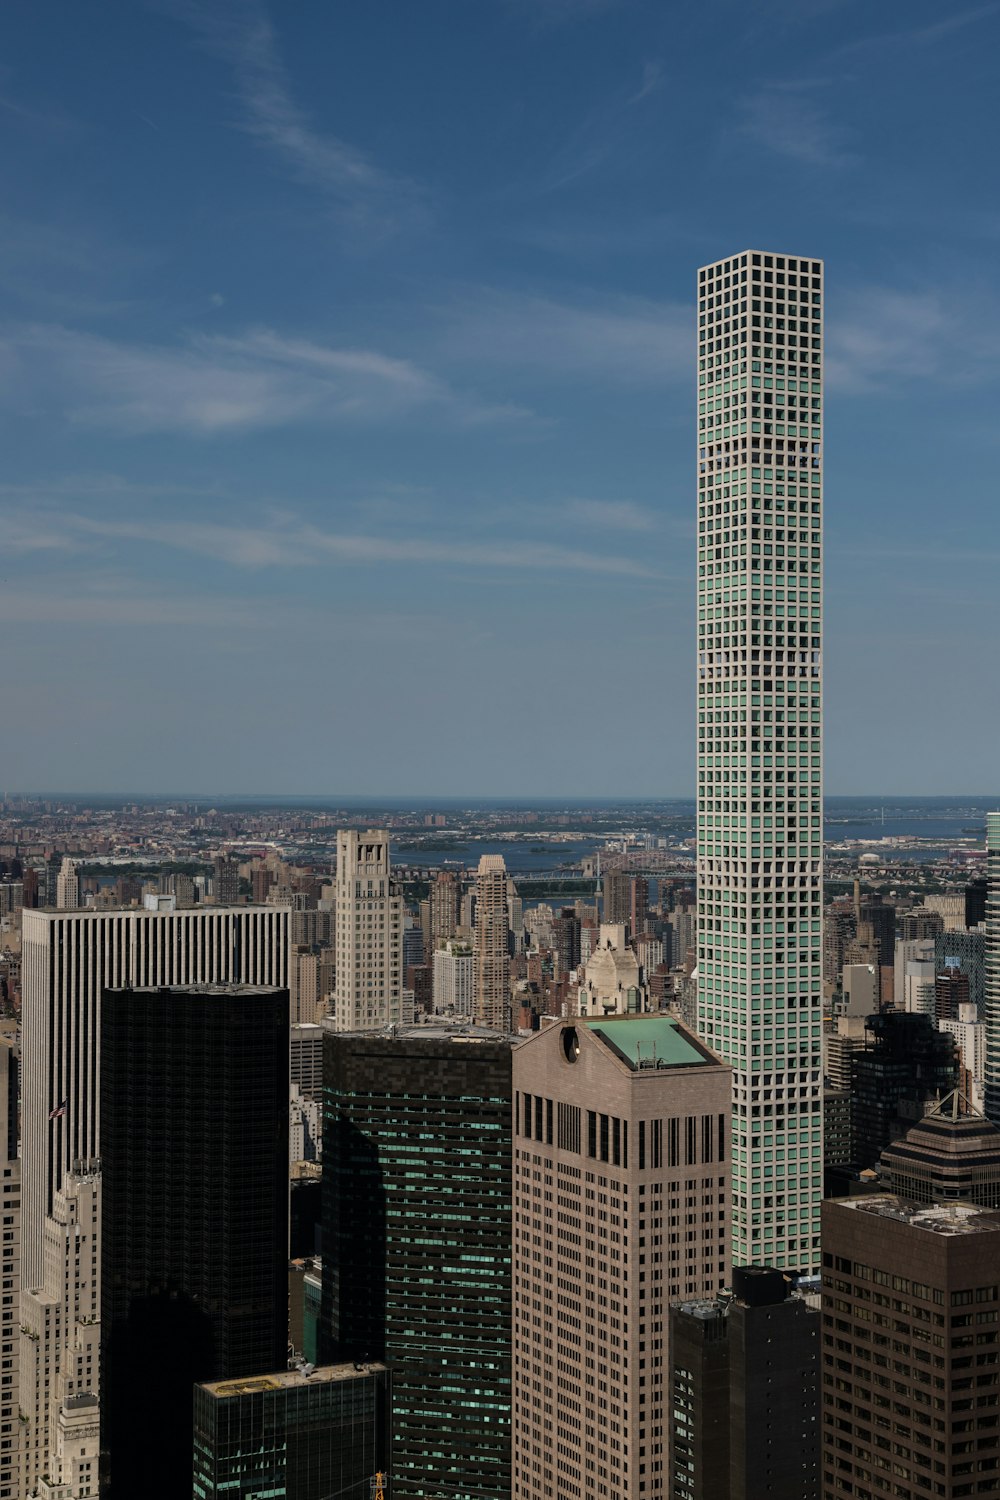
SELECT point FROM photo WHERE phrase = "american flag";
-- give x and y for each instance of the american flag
(59, 1111)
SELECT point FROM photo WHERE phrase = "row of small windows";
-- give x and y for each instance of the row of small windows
(861, 1272)
(768, 262)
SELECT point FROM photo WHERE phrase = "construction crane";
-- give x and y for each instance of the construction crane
(378, 1486)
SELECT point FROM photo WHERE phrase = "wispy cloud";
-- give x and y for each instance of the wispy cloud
(22, 533)
(372, 199)
(227, 383)
(615, 129)
(630, 340)
(790, 119)
(58, 604)
(562, 10)
(285, 541)
(62, 268)
(958, 21)
(652, 81)
(885, 336)
(290, 543)
(919, 36)
(615, 515)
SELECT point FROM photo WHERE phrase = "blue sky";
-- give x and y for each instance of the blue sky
(346, 396)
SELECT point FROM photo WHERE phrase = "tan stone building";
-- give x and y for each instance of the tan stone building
(369, 933)
(612, 979)
(621, 1194)
(441, 912)
(492, 957)
(313, 978)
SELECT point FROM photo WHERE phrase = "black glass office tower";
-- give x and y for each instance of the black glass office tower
(295, 1435)
(417, 1244)
(194, 1220)
(745, 1393)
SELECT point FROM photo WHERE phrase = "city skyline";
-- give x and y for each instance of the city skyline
(405, 395)
(421, 392)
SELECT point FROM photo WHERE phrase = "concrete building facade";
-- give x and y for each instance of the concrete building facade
(612, 980)
(444, 901)
(305, 1058)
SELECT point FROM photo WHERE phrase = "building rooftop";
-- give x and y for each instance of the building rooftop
(205, 908)
(949, 1218)
(244, 991)
(438, 1030)
(713, 1307)
(949, 1140)
(651, 1042)
(284, 1380)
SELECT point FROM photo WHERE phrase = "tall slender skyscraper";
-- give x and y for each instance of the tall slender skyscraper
(492, 950)
(992, 984)
(760, 833)
(369, 933)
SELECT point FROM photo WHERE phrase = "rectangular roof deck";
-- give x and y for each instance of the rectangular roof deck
(283, 1380)
(652, 1042)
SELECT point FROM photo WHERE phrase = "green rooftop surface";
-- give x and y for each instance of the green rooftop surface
(650, 1041)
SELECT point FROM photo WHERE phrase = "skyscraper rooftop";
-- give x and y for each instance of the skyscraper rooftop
(952, 1153)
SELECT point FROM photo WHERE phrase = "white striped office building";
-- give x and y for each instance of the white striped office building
(68, 959)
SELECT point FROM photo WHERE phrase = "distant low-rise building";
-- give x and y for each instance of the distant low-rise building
(454, 979)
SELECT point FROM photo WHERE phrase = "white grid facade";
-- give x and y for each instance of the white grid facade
(992, 983)
(760, 754)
